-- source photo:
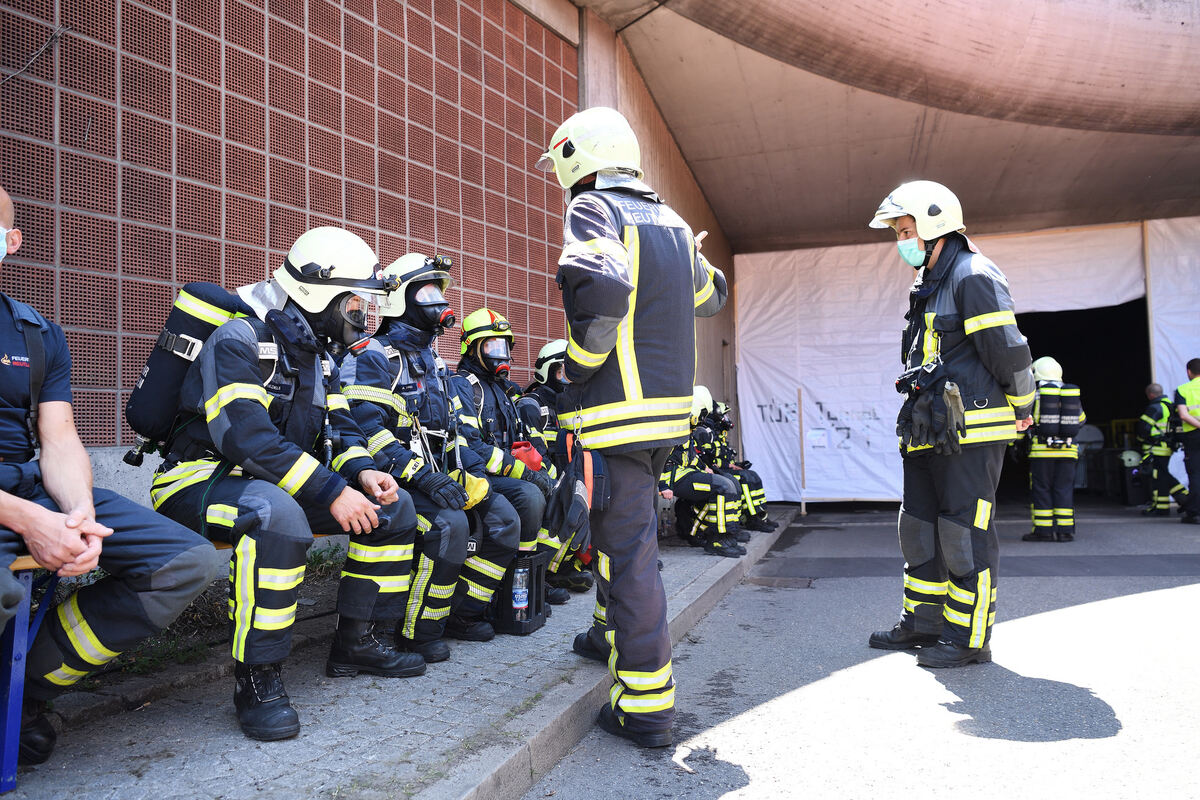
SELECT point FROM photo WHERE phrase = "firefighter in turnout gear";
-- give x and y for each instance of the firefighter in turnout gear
(969, 391)
(1156, 436)
(154, 567)
(490, 426)
(722, 457)
(633, 281)
(268, 453)
(706, 503)
(548, 372)
(1187, 406)
(1057, 417)
(398, 393)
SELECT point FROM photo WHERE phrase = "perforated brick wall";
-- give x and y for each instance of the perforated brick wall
(161, 142)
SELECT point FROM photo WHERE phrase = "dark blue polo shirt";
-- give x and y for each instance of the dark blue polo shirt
(15, 374)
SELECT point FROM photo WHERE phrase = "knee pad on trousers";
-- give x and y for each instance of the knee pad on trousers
(453, 529)
(179, 582)
(916, 539)
(726, 486)
(956, 547)
(276, 510)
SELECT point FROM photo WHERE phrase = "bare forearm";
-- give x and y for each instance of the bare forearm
(16, 513)
(67, 474)
(1186, 417)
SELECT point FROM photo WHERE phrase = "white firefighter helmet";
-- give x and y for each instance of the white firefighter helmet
(325, 263)
(1047, 369)
(592, 140)
(702, 402)
(411, 268)
(553, 352)
(934, 207)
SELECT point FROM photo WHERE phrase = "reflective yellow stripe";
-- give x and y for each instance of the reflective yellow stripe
(299, 473)
(180, 477)
(435, 613)
(983, 514)
(441, 591)
(957, 618)
(387, 583)
(646, 703)
(626, 351)
(495, 461)
(83, 639)
(335, 402)
(984, 321)
(65, 676)
(979, 619)
(645, 680)
(373, 394)
(929, 348)
(379, 441)
(936, 588)
(221, 514)
(235, 391)
(959, 594)
(416, 597)
(279, 580)
(1020, 400)
(485, 567)
(979, 416)
(578, 354)
(710, 286)
(194, 306)
(627, 409)
(478, 591)
(603, 565)
(629, 434)
(274, 619)
(245, 554)
(415, 465)
(350, 454)
(602, 246)
(374, 554)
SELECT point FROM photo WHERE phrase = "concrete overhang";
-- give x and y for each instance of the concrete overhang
(798, 116)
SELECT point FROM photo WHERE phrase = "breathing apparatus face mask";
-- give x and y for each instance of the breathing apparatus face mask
(495, 356)
(426, 309)
(344, 321)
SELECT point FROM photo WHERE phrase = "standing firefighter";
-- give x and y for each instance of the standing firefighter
(1057, 418)
(1156, 432)
(1187, 406)
(969, 391)
(269, 453)
(633, 281)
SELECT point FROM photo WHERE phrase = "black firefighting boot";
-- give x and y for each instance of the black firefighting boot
(723, 545)
(357, 649)
(1038, 536)
(759, 522)
(948, 654)
(572, 576)
(608, 721)
(584, 646)
(37, 734)
(556, 595)
(900, 638)
(469, 630)
(432, 650)
(263, 708)
(739, 534)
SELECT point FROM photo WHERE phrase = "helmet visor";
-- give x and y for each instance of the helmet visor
(545, 162)
(429, 294)
(495, 348)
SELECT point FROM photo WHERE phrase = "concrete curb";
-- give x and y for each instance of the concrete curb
(565, 713)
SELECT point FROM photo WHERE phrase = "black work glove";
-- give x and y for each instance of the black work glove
(904, 423)
(539, 479)
(955, 419)
(922, 420)
(442, 489)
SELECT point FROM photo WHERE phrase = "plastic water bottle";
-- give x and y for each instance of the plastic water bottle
(520, 594)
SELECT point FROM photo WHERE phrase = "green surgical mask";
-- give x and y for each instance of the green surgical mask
(912, 253)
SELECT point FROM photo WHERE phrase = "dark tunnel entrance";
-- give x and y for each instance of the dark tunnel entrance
(1106, 352)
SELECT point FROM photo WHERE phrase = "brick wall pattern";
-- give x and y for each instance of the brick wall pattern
(164, 141)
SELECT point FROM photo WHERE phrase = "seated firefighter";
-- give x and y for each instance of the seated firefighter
(491, 426)
(706, 503)
(566, 572)
(48, 506)
(400, 394)
(722, 457)
(268, 453)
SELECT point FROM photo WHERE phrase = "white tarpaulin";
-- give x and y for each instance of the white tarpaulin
(819, 343)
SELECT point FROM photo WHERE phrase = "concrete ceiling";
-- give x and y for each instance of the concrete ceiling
(798, 116)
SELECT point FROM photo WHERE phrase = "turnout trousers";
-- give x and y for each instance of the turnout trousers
(155, 568)
(1052, 494)
(1191, 463)
(500, 531)
(709, 503)
(948, 539)
(631, 605)
(754, 496)
(1165, 486)
(439, 552)
(270, 533)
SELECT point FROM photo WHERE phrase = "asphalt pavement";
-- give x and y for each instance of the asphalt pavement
(1092, 693)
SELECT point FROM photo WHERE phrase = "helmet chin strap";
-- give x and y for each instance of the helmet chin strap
(928, 253)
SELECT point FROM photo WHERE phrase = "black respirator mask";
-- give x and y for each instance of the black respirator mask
(495, 356)
(426, 309)
(343, 322)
